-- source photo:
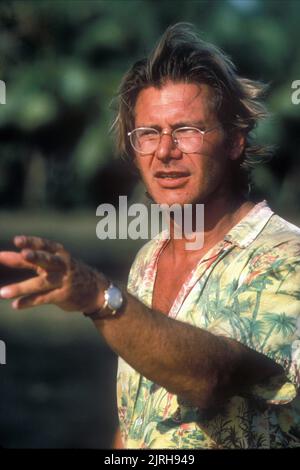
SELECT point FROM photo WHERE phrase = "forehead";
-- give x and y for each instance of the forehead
(175, 102)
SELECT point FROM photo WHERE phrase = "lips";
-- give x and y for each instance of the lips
(171, 174)
(172, 179)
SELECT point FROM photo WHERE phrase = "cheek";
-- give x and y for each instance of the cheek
(144, 172)
(210, 170)
(206, 165)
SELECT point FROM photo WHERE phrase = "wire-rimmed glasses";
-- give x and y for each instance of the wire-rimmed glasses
(145, 140)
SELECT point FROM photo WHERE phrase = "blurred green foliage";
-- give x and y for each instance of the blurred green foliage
(62, 62)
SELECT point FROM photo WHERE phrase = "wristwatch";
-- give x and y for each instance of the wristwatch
(113, 301)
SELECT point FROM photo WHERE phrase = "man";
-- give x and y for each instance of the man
(208, 339)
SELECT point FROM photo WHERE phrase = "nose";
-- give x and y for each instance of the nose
(167, 149)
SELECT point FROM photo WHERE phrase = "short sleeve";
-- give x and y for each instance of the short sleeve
(265, 316)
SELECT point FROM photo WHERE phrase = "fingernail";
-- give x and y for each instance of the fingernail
(5, 293)
(19, 239)
(15, 304)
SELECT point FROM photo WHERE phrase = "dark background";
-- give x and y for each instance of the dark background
(62, 62)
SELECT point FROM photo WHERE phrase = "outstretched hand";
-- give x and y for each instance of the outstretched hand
(61, 280)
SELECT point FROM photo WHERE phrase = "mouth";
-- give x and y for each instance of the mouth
(171, 179)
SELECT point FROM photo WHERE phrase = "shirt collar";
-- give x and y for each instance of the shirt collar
(250, 226)
(243, 233)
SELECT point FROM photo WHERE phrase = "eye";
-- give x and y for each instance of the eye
(147, 133)
(187, 132)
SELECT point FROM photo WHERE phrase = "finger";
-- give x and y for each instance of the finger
(34, 285)
(37, 243)
(12, 259)
(44, 260)
(33, 300)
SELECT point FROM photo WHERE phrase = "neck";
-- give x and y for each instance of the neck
(220, 215)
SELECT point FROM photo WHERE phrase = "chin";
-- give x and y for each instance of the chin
(173, 198)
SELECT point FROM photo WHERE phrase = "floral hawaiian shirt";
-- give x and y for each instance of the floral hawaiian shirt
(247, 287)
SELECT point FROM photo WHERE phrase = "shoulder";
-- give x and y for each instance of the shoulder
(272, 256)
(280, 226)
(280, 237)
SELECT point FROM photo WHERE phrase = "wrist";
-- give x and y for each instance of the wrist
(110, 301)
(102, 283)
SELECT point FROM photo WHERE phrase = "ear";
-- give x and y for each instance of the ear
(237, 146)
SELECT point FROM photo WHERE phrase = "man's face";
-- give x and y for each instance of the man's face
(195, 176)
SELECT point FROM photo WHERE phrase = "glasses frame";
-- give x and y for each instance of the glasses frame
(172, 134)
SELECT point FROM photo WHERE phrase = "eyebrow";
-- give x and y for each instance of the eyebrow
(199, 124)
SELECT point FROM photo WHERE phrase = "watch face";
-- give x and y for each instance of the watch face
(115, 298)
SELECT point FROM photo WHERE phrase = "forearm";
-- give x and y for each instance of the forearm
(186, 360)
(117, 440)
